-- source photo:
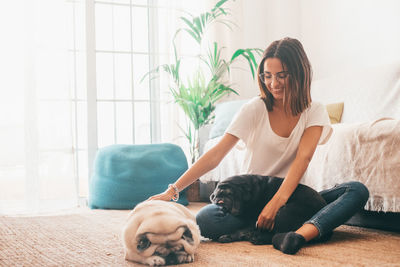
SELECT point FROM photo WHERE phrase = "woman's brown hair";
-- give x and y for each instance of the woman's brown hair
(297, 95)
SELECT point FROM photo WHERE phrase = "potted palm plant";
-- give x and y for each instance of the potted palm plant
(197, 97)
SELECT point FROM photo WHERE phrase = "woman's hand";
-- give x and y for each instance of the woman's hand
(166, 195)
(266, 219)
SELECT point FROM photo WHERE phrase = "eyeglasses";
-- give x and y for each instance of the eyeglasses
(267, 77)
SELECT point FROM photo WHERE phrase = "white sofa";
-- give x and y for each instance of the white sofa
(365, 146)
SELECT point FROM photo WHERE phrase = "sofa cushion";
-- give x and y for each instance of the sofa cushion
(224, 113)
(335, 111)
(125, 175)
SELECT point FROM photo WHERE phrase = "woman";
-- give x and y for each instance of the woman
(281, 130)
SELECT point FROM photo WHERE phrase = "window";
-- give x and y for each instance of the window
(125, 40)
(79, 90)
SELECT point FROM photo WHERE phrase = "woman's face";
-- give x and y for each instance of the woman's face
(275, 77)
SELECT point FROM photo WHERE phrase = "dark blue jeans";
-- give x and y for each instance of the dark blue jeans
(344, 200)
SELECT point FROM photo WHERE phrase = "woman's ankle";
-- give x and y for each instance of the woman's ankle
(308, 231)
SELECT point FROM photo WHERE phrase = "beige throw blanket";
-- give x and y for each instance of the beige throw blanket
(366, 152)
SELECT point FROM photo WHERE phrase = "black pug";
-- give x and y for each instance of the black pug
(245, 196)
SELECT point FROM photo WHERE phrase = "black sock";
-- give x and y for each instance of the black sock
(288, 243)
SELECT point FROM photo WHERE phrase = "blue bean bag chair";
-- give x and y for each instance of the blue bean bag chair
(125, 175)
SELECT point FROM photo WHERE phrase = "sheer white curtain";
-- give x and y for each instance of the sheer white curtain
(172, 118)
(43, 131)
(37, 168)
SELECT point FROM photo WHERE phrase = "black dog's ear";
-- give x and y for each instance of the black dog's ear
(216, 189)
(212, 197)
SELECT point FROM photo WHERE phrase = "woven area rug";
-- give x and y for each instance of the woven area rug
(92, 238)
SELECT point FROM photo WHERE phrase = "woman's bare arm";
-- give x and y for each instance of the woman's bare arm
(204, 164)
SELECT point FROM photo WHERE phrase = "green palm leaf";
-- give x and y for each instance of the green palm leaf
(248, 54)
(198, 95)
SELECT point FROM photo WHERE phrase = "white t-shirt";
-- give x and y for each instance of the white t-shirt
(266, 152)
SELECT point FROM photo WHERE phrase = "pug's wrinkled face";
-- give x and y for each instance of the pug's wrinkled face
(165, 251)
(228, 197)
(161, 233)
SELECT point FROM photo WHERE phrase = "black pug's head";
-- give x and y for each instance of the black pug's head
(231, 196)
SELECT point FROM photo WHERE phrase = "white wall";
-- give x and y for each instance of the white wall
(345, 35)
(338, 35)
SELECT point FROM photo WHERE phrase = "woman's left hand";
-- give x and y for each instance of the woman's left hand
(266, 219)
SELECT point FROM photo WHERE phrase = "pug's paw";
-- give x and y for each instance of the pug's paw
(225, 239)
(155, 261)
(190, 258)
(183, 257)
